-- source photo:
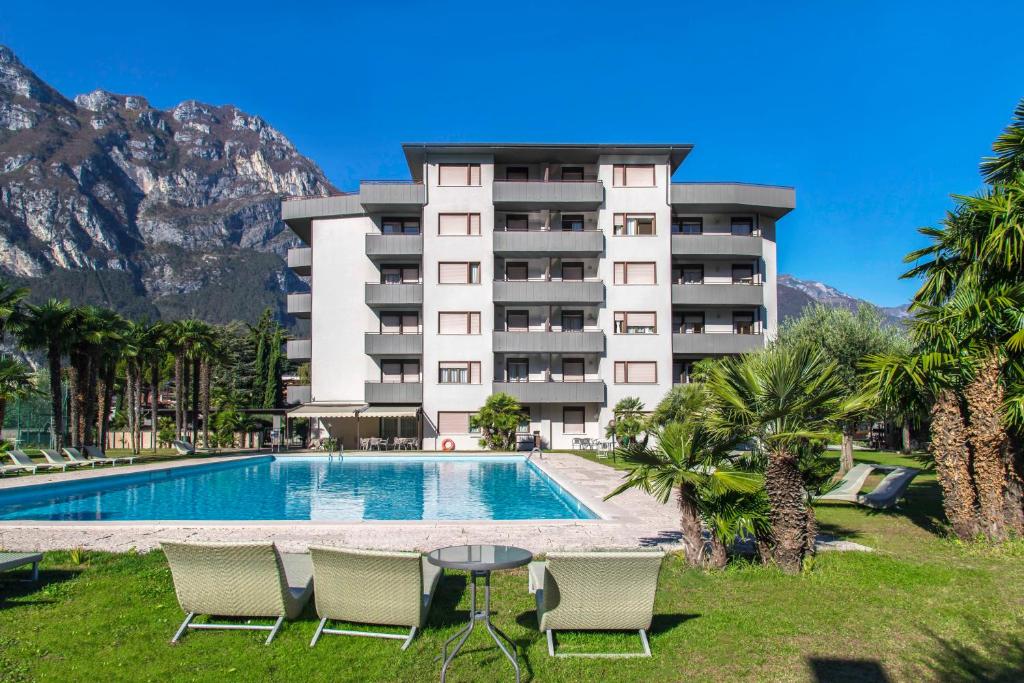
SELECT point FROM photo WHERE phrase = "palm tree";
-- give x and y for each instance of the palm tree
(780, 398)
(106, 356)
(48, 327)
(16, 381)
(1008, 162)
(692, 462)
(628, 421)
(10, 299)
(182, 337)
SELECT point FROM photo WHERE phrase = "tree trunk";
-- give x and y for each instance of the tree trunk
(129, 404)
(812, 530)
(56, 403)
(110, 369)
(195, 399)
(987, 435)
(784, 486)
(179, 378)
(719, 554)
(74, 380)
(87, 411)
(949, 448)
(154, 403)
(846, 450)
(3, 409)
(102, 408)
(689, 521)
(906, 437)
(204, 391)
(186, 374)
(1013, 494)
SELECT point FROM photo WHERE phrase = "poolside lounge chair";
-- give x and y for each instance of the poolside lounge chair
(26, 465)
(596, 591)
(57, 459)
(251, 580)
(373, 587)
(184, 447)
(890, 490)
(850, 485)
(21, 459)
(95, 454)
(75, 455)
(12, 560)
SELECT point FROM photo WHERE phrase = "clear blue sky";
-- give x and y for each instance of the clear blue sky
(874, 111)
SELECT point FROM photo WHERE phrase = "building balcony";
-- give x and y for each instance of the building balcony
(553, 392)
(393, 392)
(716, 344)
(300, 259)
(300, 305)
(718, 295)
(564, 195)
(393, 295)
(380, 246)
(392, 344)
(771, 200)
(716, 245)
(548, 342)
(299, 349)
(298, 393)
(392, 195)
(536, 242)
(548, 292)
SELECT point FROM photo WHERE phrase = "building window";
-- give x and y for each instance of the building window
(682, 371)
(458, 323)
(573, 370)
(517, 321)
(742, 274)
(450, 224)
(636, 372)
(688, 322)
(572, 321)
(742, 227)
(458, 273)
(572, 271)
(633, 224)
(634, 273)
(400, 323)
(572, 173)
(574, 420)
(517, 271)
(400, 226)
(572, 223)
(458, 372)
(687, 274)
(454, 423)
(517, 173)
(397, 275)
(682, 225)
(636, 322)
(517, 222)
(633, 175)
(743, 322)
(517, 370)
(400, 371)
(458, 175)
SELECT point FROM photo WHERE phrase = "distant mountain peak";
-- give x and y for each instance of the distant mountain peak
(795, 294)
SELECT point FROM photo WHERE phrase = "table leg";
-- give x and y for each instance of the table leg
(464, 633)
(480, 615)
(495, 631)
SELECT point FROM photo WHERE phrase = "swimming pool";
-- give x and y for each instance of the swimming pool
(308, 488)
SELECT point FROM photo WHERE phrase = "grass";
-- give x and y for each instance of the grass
(920, 608)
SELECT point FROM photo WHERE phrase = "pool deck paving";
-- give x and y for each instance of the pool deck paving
(633, 519)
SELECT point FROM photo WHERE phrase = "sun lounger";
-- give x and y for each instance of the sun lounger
(13, 560)
(93, 453)
(21, 459)
(596, 591)
(20, 465)
(184, 447)
(850, 485)
(890, 490)
(250, 580)
(57, 459)
(373, 587)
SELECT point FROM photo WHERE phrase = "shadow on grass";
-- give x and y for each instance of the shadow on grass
(661, 623)
(14, 585)
(1000, 661)
(828, 670)
(923, 507)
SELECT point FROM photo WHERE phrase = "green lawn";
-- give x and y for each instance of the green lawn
(920, 608)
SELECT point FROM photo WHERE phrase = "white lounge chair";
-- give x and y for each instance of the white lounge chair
(94, 453)
(850, 485)
(890, 490)
(13, 560)
(184, 447)
(57, 459)
(21, 459)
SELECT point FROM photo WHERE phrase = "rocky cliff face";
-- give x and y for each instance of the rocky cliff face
(796, 294)
(168, 207)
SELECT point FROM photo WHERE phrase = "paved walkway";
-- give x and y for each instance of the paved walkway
(630, 520)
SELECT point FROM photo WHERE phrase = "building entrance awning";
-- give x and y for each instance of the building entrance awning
(327, 410)
(390, 411)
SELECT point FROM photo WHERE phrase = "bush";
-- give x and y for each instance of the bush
(498, 421)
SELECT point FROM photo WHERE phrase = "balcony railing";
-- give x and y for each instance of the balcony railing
(515, 243)
(549, 292)
(299, 349)
(716, 343)
(300, 259)
(393, 392)
(298, 393)
(393, 295)
(390, 246)
(385, 195)
(552, 194)
(553, 392)
(548, 342)
(718, 294)
(300, 305)
(716, 245)
(392, 344)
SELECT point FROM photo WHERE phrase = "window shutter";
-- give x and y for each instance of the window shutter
(474, 224)
(453, 423)
(620, 372)
(411, 372)
(643, 373)
(474, 174)
(640, 274)
(573, 421)
(642, 319)
(474, 323)
(454, 174)
(452, 323)
(410, 323)
(618, 176)
(391, 372)
(620, 273)
(474, 373)
(452, 273)
(452, 224)
(640, 176)
(390, 323)
(572, 371)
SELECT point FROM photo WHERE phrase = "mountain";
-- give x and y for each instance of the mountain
(161, 213)
(795, 294)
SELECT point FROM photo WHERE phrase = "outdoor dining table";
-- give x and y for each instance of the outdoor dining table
(479, 561)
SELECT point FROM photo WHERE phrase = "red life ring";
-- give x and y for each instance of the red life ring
(448, 445)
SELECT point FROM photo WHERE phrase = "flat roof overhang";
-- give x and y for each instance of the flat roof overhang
(298, 212)
(770, 200)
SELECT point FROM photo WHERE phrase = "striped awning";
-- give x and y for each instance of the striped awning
(326, 410)
(390, 411)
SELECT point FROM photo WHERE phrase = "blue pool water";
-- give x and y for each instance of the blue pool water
(308, 488)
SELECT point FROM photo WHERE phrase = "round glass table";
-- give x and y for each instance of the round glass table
(479, 561)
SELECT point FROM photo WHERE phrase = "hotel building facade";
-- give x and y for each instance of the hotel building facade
(567, 275)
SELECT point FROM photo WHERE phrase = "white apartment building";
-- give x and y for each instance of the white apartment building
(568, 275)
